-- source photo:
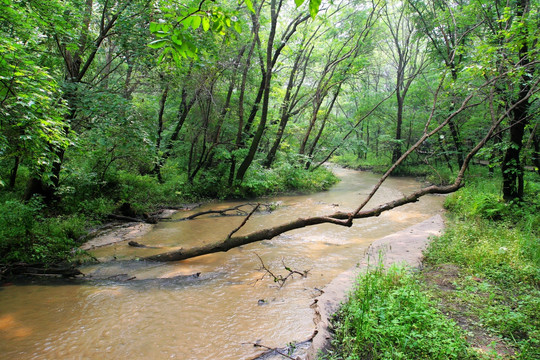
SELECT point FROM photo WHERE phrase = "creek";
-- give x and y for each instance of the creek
(166, 314)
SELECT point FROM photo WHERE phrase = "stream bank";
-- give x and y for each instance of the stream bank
(224, 311)
(403, 247)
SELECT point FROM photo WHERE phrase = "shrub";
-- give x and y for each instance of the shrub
(26, 236)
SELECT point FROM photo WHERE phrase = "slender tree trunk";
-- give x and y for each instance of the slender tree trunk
(266, 96)
(512, 168)
(162, 102)
(13, 172)
(399, 121)
(285, 112)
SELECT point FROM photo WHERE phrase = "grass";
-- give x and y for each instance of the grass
(477, 297)
(390, 317)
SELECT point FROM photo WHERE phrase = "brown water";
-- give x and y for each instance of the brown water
(218, 315)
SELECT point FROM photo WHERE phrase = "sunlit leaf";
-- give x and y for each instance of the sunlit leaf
(238, 27)
(196, 22)
(205, 24)
(249, 5)
(314, 7)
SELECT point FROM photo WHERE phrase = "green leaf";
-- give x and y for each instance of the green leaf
(187, 21)
(205, 24)
(314, 7)
(238, 27)
(196, 22)
(299, 2)
(159, 43)
(249, 5)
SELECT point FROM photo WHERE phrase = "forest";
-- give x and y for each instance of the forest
(116, 109)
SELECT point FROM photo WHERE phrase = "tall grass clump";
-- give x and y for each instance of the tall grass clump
(490, 236)
(389, 317)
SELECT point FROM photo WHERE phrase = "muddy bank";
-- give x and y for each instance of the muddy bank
(116, 232)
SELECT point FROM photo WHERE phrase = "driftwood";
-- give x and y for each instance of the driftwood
(147, 219)
(66, 271)
(280, 279)
(139, 245)
(237, 210)
(270, 350)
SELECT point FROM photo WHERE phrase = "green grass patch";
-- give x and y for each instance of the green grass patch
(483, 274)
(388, 316)
(496, 246)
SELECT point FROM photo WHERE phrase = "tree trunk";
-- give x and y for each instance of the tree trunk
(512, 168)
(242, 169)
(162, 101)
(13, 172)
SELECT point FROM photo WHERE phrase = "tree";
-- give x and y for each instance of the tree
(407, 52)
(31, 108)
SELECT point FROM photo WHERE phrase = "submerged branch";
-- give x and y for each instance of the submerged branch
(232, 211)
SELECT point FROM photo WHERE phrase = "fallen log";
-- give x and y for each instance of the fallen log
(338, 218)
(232, 211)
(346, 219)
(66, 271)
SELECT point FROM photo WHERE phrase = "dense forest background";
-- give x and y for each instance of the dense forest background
(118, 106)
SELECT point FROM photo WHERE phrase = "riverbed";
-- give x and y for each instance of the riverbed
(211, 307)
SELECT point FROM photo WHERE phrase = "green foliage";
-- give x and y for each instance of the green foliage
(31, 112)
(28, 236)
(481, 199)
(176, 32)
(285, 177)
(389, 317)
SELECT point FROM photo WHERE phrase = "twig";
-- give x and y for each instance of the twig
(244, 222)
(269, 348)
(279, 278)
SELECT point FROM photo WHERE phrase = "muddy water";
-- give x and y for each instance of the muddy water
(163, 314)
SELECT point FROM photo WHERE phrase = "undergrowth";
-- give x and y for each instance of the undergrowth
(389, 317)
(496, 246)
(31, 232)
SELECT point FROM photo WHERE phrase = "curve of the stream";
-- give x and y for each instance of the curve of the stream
(163, 313)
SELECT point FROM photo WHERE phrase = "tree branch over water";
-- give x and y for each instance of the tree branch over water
(346, 219)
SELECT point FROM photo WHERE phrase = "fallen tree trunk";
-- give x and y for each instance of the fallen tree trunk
(339, 218)
(232, 211)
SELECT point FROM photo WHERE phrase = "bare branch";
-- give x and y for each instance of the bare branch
(243, 222)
